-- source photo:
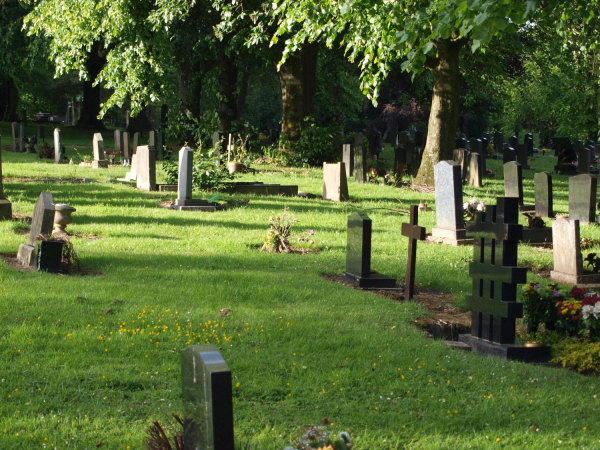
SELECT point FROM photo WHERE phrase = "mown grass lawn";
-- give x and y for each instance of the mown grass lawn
(94, 359)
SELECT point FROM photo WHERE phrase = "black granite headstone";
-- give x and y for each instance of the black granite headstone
(43, 217)
(513, 141)
(528, 141)
(509, 154)
(499, 142)
(493, 300)
(358, 254)
(582, 198)
(543, 194)
(584, 159)
(348, 159)
(360, 160)
(50, 256)
(207, 399)
(513, 181)
(461, 143)
(419, 139)
(522, 155)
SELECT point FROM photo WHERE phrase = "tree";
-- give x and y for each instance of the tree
(427, 34)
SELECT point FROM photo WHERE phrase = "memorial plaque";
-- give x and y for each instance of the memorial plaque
(513, 181)
(207, 399)
(493, 299)
(348, 159)
(582, 198)
(543, 194)
(43, 217)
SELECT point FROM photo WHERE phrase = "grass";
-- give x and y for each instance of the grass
(95, 359)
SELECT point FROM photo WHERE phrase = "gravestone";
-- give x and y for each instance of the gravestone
(528, 141)
(513, 181)
(461, 143)
(348, 159)
(568, 261)
(146, 168)
(393, 134)
(207, 399)
(419, 139)
(584, 158)
(335, 184)
(521, 150)
(413, 232)
(493, 299)
(216, 140)
(358, 255)
(126, 149)
(41, 224)
(98, 145)
(582, 198)
(118, 147)
(513, 141)
(499, 142)
(41, 133)
(543, 194)
(152, 138)
(5, 205)
(160, 145)
(404, 137)
(58, 147)
(478, 147)
(450, 224)
(136, 141)
(22, 138)
(13, 127)
(360, 160)
(133, 169)
(475, 172)
(509, 154)
(460, 156)
(475, 145)
(184, 185)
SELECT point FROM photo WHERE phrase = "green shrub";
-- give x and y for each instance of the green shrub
(580, 355)
(208, 172)
(313, 145)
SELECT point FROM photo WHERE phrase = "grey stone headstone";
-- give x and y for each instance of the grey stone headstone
(360, 160)
(543, 194)
(126, 149)
(15, 136)
(132, 174)
(184, 181)
(513, 181)
(22, 138)
(152, 138)
(448, 201)
(98, 147)
(348, 159)
(475, 169)
(498, 142)
(358, 250)
(58, 147)
(146, 168)
(582, 198)
(160, 145)
(136, 141)
(118, 148)
(43, 217)
(216, 139)
(460, 157)
(566, 247)
(335, 184)
(207, 399)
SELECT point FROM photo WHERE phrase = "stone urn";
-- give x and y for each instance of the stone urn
(62, 217)
(236, 167)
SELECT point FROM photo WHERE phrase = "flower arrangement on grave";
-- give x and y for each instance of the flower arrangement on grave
(322, 438)
(540, 303)
(277, 238)
(587, 307)
(471, 207)
(490, 150)
(45, 151)
(111, 157)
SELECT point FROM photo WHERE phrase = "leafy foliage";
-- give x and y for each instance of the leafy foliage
(313, 145)
(576, 354)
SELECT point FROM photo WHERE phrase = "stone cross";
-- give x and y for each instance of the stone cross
(413, 232)
(348, 159)
(582, 198)
(513, 181)
(493, 300)
(358, 255)
(58, 153)
(360, 160)
(335, 184)
(118, 148)
(207, 399)
(146, 168)
(542, 183)
(5, 205)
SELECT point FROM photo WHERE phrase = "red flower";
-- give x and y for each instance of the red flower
(578, 293)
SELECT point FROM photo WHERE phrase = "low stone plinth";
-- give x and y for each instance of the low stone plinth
(167, 187)
(539, 237)
(517, 351)
(100, 164)
(261, 189)
(194, 208)
(449, 237)
(374, 281)
(569, 278)
(5, 209)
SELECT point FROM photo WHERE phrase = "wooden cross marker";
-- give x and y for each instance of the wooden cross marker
(412, 231)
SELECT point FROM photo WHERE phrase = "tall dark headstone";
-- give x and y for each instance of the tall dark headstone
(450, 224)
(360, 160)
(207, 399)
(414, 233)
(419, 139)
(15, 137)
(5, 205)
(348, 159)
(499, 142)
(493, 299)
(358, 255)
(528, 141)
(22, 138)
(513, 181)
(584, 159)
(118, 147)
(513, 141)
(543, 194)
(41, 133)
(522, 155)
(582, 198)
(43, 217)
(509, 154)
(461, 143)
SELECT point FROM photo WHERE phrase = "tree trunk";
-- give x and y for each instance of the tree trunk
(12, 101)
(227, 84)
(298, 85)
(243, 93)
(444, 109)
(91, 94)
